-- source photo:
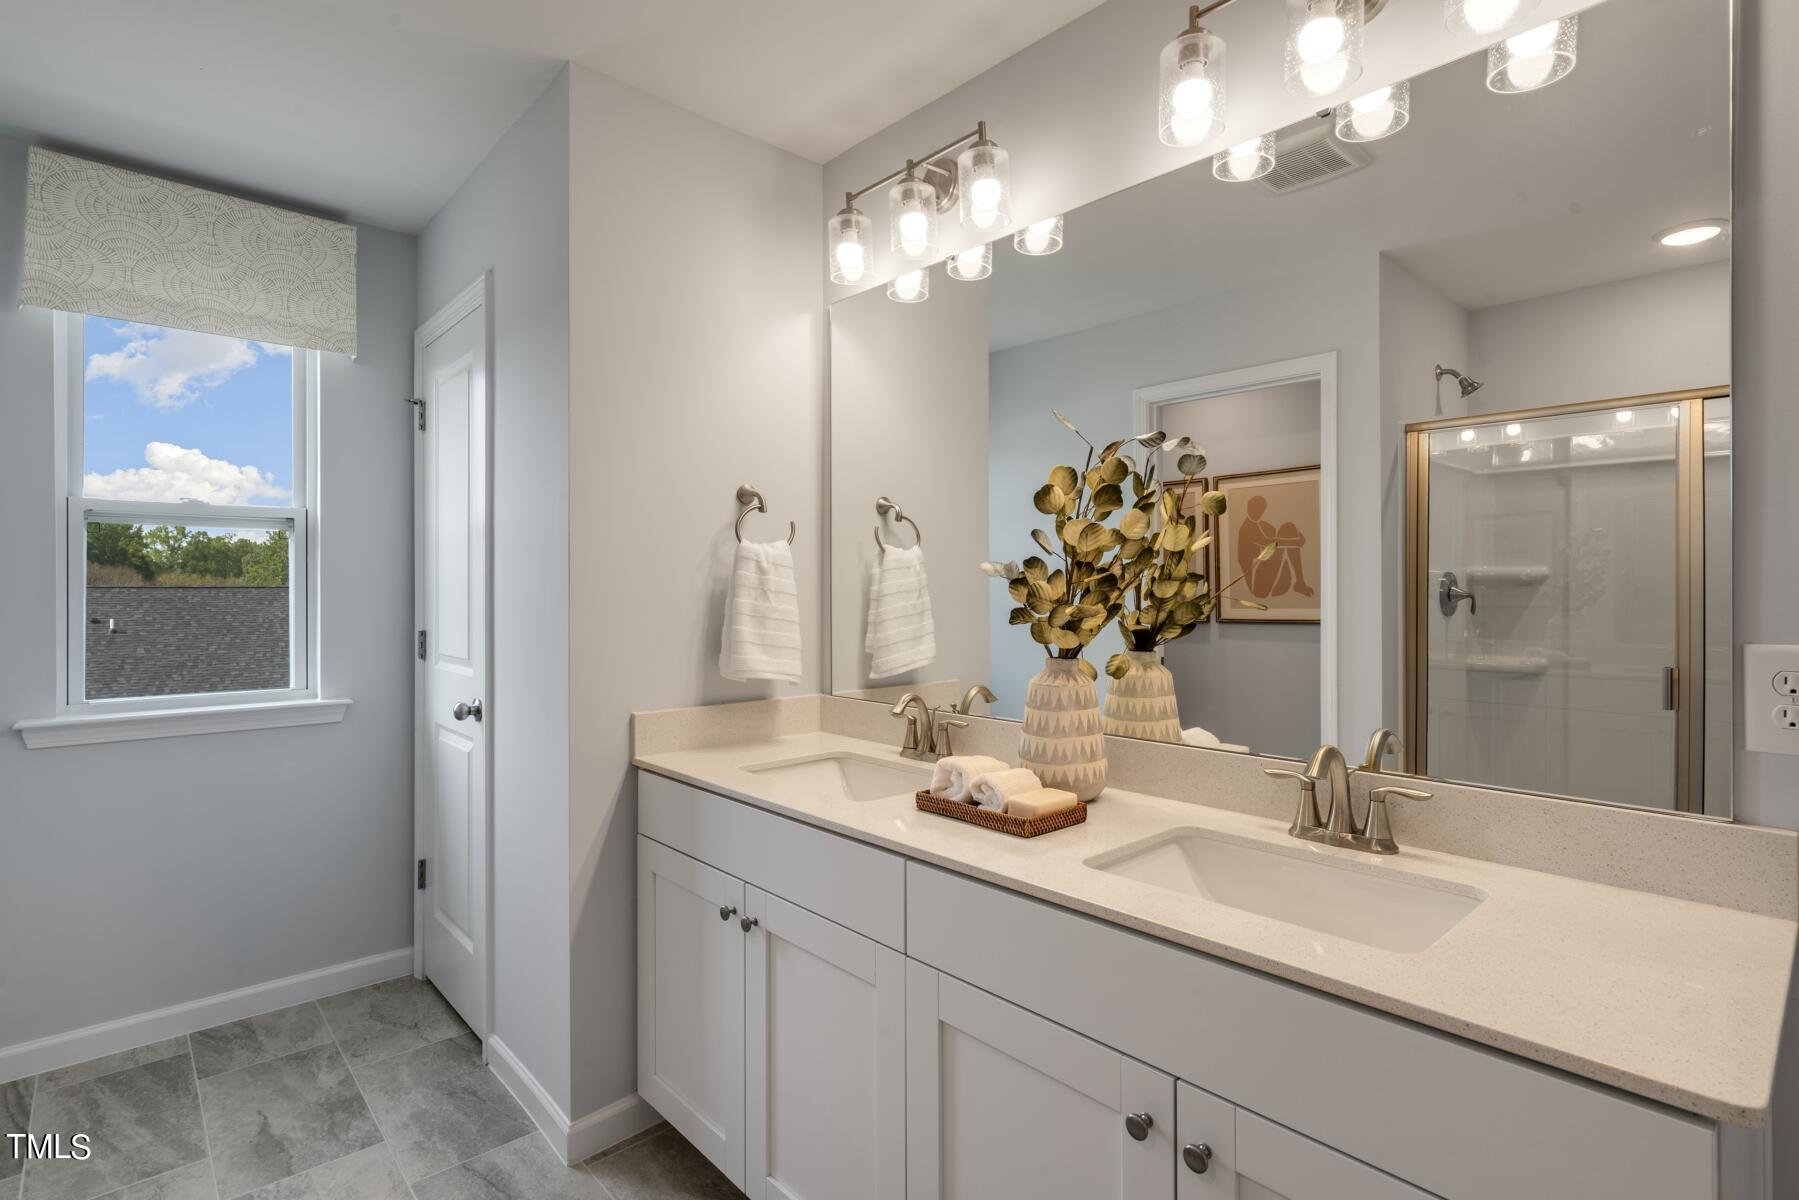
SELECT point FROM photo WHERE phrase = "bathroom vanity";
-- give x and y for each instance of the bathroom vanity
(842, 996)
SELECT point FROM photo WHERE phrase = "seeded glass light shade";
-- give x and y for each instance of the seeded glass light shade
(1535, 58)
(914, 287)
(851, 237)
(1375, 115)
(1191, 107)
(1040, 237)
(1245, 161)
(912, 209)
(971, 264)
(1324, 45)
(985, 180)
(1483, 16)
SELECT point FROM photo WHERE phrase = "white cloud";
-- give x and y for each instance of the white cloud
(177, 473)
(168, 368)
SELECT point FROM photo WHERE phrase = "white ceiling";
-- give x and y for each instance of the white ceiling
(377, 110)
(1487, 198)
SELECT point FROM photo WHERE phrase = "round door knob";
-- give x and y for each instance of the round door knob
(1198, 1157)
(749, 923)
(466, 709)
(1138, 1125)
(726, 912)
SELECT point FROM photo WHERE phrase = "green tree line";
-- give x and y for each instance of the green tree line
(175, 556)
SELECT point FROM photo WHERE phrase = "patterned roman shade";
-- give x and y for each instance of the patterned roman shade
(114, 243)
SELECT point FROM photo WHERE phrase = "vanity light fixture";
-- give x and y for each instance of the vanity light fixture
(1324, 45)
(1535, 58)
(1191, 91)
(1483, 16)
(912, 216)
(1694, 233)
(1467, 435)
(914, 287)
(971, 264)
(852, 242)
(985, 180)
(1514, 429)
(1039, 237)
(1625, 416)
(1378, 114)
(1245, 161)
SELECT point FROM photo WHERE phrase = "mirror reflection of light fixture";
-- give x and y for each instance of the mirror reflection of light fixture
(1245, 161)
(984, 178)
(1693, 233)
(1483, 16)
(1191, 92)
(852, 243)
(1039, 237)
(1375, 115)
(914, 287)
(912, 215)
(1324, 45)
(971, 264)
(1535, 58)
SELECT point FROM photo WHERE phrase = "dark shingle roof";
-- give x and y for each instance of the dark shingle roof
(170, 641)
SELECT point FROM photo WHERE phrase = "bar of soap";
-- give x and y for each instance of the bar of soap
(1044, 802)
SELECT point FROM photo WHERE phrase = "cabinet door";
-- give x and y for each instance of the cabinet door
(690, 1000)
(1001, 1102)
(825, 1015)
(1247, 1157)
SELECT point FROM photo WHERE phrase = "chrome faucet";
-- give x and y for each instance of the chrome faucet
(927, 729)
(1339, 827)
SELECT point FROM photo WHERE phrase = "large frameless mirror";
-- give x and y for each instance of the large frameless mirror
(1463, 391)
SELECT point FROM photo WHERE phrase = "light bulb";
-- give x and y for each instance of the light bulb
(1193, 97)
(985, 171)
(1625, 416)
(914, 233)
(1485, 16)
(971, 264)
(1323, 78)
(911, 287)
(1243, 159)
(1535, 58)
(984, 195)
(1514, 429)
(1467, 435)
(852, 261)
(1039, 237)
(1372, 113)
(1532, 41)
(1674, 411)
(1320, 39)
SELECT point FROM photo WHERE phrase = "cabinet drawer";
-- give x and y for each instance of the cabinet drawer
(855, 885)
(1452, 1117)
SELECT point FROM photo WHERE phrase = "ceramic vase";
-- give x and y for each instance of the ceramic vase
(1064, 741)
(1142, 705)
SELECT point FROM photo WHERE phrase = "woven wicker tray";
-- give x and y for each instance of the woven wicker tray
(986, 818)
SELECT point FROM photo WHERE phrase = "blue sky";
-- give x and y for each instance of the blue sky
(174, 415)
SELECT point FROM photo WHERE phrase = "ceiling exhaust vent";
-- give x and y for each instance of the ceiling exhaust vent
(1311, 157)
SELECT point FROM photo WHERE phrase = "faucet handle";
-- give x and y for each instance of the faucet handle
(1380, 832)
(1305, 818)
(940, 732)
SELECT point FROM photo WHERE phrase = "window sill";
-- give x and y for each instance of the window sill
(88, 729)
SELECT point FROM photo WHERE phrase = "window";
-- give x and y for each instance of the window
(186, 517)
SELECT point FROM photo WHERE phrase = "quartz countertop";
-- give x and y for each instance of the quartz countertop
(1668, 999)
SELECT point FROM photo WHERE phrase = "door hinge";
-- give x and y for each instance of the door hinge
(420, 405)
(421, 644)
(421, 875)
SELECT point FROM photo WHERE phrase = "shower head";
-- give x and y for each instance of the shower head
(1468, 386)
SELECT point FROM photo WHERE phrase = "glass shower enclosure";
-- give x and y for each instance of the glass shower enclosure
(1568, 600)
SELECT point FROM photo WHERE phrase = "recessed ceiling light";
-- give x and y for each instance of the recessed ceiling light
(1694, 232)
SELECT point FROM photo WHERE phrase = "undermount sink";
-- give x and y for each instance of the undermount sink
(841, 776)
(1377, 907)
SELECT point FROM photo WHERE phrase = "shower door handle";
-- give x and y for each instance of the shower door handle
(1670, 689)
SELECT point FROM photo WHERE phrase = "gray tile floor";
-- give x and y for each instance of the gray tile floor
(375, 1094)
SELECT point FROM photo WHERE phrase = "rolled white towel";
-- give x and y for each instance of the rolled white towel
(951, 776)
(991, 790)
(1207, 740)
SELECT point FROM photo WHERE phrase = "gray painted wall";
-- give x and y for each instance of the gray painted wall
(697, 364)
(136, 875)
(512, 217)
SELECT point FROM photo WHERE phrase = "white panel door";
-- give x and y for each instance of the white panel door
(452, 813)
(1229, 1153)
(1001, 1102)
(825, 1015)
(690, 1017)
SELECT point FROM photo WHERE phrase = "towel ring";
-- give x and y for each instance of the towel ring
(752, 501)
(883, 506)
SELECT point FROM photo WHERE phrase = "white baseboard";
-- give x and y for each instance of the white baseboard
(574, 1140)
(109, 1037)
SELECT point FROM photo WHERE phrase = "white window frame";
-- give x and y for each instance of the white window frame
(79, 720)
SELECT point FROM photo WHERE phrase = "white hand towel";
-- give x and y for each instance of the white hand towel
(901, 635)
(951, 777)
(992, 789)
(762, 615)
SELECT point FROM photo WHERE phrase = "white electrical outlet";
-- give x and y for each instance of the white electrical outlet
(1771, 699)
